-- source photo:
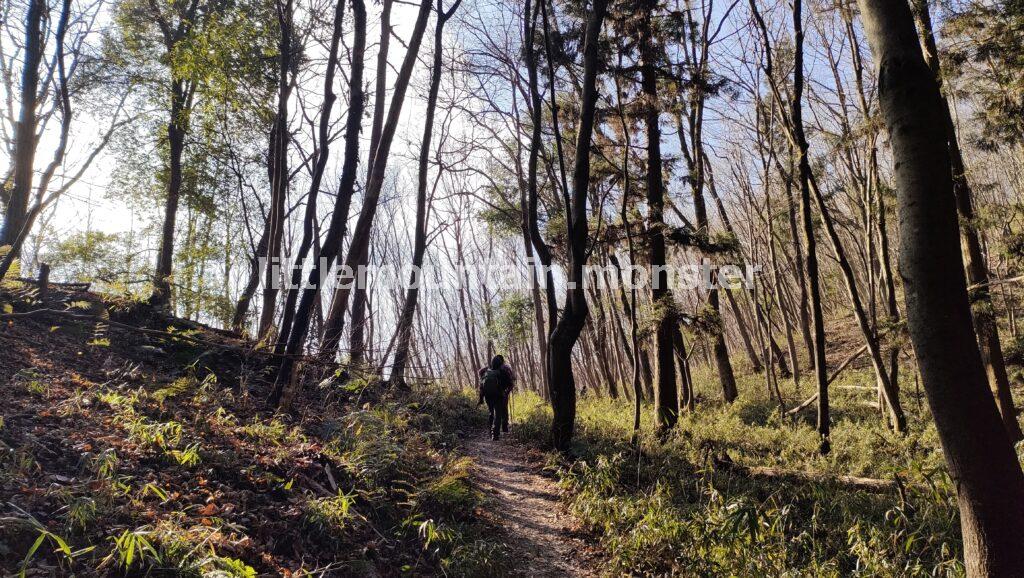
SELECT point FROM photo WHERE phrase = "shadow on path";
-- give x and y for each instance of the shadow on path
(526, 505)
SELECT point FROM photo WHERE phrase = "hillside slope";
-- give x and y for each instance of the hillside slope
(132, 443)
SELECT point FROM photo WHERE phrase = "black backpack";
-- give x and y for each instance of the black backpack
(493, 382)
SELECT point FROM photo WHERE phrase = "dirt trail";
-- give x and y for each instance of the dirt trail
(525, 503)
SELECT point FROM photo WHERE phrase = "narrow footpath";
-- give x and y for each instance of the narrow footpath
(526, 504)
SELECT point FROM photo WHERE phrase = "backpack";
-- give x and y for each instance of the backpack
(493, 382)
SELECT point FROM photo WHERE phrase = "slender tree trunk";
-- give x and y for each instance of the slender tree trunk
(567, 330)
(600, 330)
(177, 127)
(279, 178)
(357, 333)
(697, 164)
(803, 305)
(891, 398)
(336, 229)
(761, 317)
(977, 272)
(741, 325)
(540, 331)
(892, 311)
(238, 319)
(539, 245)
(794, 358)
(538, 307)
(814, 291)
(634, 347)
(979, 455)
(474, 352)
(16, 214)
(686, 398)
(321, 156)
(666, 398)
(358, 249)
(404, 329)
(888, 390)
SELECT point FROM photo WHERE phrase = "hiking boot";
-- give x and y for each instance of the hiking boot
(494, 436)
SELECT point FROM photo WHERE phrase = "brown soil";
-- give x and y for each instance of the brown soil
(541, 535)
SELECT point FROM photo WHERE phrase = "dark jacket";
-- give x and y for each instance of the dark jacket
(509, 375)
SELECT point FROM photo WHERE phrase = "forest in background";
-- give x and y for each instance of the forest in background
(865, 156)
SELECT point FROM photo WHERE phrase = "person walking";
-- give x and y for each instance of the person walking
(496, 384)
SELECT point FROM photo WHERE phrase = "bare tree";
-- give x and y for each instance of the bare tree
(336, 228)
(570, 324)
(358, 247)
(404, 328)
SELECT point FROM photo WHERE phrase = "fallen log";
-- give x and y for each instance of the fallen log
(872, 485)
(803, 405)
(72, 285)
(846, 363)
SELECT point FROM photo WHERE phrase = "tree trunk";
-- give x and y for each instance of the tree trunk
(634, 349)
(811, 256)
(979, 455)
(985, 324)
(696, 160)
(238, 319)
(404, 329)
(686, 397)
(601, 346)
(666, 397)
(803, 305)
(177, 127)
(888, 389)
(538, 307)
(567, 330)
(336, 229)
(357, 334)
(16, 214)
(539, 245)
(279, 177)
(319, 166)
(741, 325)
(358, 249)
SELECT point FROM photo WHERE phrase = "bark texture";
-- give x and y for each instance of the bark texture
(981, 460)
(567, 331)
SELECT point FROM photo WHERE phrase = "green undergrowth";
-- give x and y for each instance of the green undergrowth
(669, 506)
(136, 476)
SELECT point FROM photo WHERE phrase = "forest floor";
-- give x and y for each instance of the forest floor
(543, 539)
(132, 443)
(136, 444)
(738, 490)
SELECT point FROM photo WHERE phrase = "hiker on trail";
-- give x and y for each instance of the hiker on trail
(496, 383)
